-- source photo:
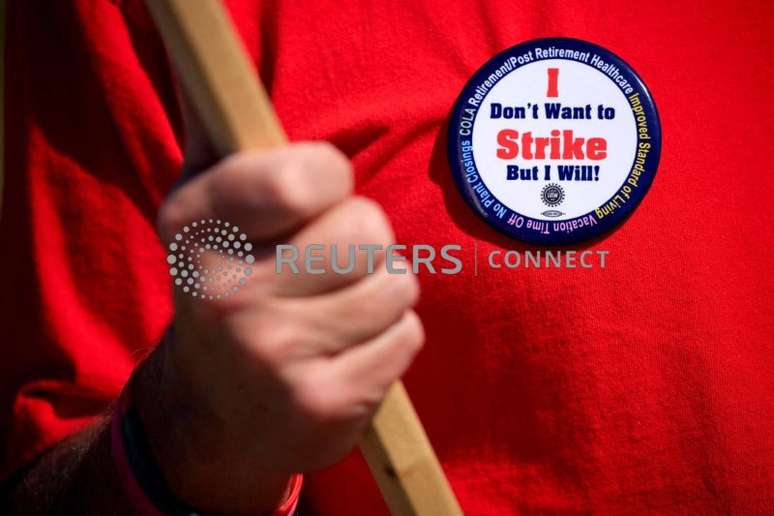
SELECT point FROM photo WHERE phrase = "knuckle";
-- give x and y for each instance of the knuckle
(325, 169)
(273, 339)
(318, 400)
(406, 289)
(298, 181)
(372, 223)
(289, 188)
(283, 179)
(413, 333)
(312, 174)
(328, 155)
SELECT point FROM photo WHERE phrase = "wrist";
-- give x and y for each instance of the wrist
(199, 466)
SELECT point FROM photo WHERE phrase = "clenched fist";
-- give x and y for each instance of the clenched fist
(283, 375)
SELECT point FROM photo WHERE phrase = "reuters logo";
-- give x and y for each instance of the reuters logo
(210, 259)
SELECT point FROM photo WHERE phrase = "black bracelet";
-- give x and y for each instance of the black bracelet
(145, 470)
(140, 459)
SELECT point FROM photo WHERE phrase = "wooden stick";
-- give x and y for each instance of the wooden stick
(237, 114)
(2, 99)
(403, 462)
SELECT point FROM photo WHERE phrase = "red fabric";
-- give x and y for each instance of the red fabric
(643, 387)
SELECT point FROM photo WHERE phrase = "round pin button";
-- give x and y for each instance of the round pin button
(554, 141)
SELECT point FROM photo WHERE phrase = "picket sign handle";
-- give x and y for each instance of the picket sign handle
(223, 86)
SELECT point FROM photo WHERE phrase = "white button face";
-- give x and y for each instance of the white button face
(555, 135)
(554, 141)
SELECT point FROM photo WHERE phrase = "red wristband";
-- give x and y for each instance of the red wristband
(292, 496)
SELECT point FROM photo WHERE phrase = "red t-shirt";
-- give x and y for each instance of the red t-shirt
(645, 386)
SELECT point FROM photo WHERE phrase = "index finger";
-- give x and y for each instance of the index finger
(268, 194)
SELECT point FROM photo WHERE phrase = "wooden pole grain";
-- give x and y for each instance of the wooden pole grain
(225, 90)
(2, 99)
